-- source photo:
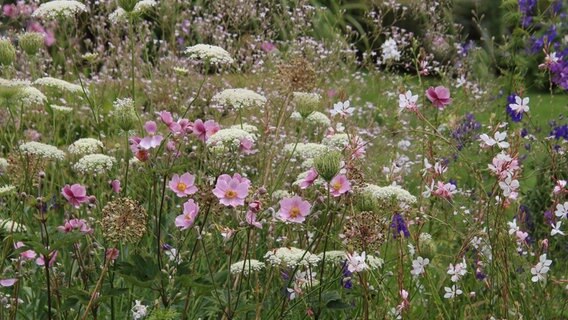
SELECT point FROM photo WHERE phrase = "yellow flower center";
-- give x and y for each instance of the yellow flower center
(336, 186)
(231, 194)
(294, 212)
(181, 186)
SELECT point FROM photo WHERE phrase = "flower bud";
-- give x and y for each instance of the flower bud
(328, 165)
(306, 103)
(31, 42)
(124, 113)
(7, 52)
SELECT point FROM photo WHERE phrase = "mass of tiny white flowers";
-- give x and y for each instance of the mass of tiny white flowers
(41, 150)
(85, 146)
(31, 96)
(334, 256)
(59, 9)
(306, 98)
(59, 84)
(210, 54)
(12, 226)
(337, 141)
(315, 118)
(239, 98)
(251, 265)
(229, 137)
(252, 129)
(390, 51)
(3, 164)
(117, 16)
(94, 164)
(61, 109)
(307, 150)
(7, 189)
(144, 5)
(291, 257)
(14, 83)
(389, 192)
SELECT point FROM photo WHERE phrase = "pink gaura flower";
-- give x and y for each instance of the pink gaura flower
(183, 186)
(75, 194)
(251, 220)
(439, 96)
(310, 179)
(231, 191)
(247, 146)
(204, 130)
(445, 190)
(267, 46)
(187, 218)
(25, 255)
(357, 147)
(115, 185)
(40, 261)
(150, 142)
(339, 185)
(75, 225)
(8, 282)
(294, 209)
(151, 127)
(503, 166)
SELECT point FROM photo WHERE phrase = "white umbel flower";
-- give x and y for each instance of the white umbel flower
(117, 16)
(291, 257)
(61, 109)
(209, 54)
(239, 98)
(229, 137)
(59, 84)
(144, 5)
(337, 141)
(85, 146)
(59, 9)
(42, 150)
(389, 192)
(94, 164)
(246, 127)
(306, 98)
(12, 226)
(251, 265)
(315, 118)
(15, 83)
(7, 189)
(307, 150)
(31, 96)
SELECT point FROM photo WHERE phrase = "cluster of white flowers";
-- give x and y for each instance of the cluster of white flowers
(390, 50)
(389, 192)
(6, 189)
(209, 54)
(31, 96)
(251, 265)
(42, 150)
(144, 5)
(246, 127)
(139, 310)
(418, 266)
(59, 9)
(59, 84)
(315, 118)
(61, 109)
(280, 194)
(94, 163)
(229, 137)
(340, 257)
(85, 146)
(337, 141)
(239, 98)
(12, 226)
(291, 257)
(14, 83)
(306, 98)
(117, 16)
(307, 150)
(540, 270)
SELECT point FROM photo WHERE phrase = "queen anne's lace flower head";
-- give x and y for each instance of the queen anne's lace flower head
(61, 109)
(337, 141)
(209, 54)
(386, 193)
(31, 96)
(7, 189)
(239, 98)
(144, 5)
(94, 164)
(85, 146)
(117, 16)
(59, 9)
(11, 226)
(59, 84)
(291, 257)
(251, 265)
(231, 137)
(42, 150)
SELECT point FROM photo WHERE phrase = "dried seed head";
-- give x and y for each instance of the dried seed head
(124, 221)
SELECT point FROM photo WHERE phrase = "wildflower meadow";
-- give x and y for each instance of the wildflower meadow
(283, 159)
